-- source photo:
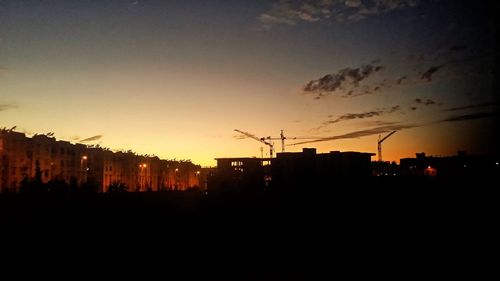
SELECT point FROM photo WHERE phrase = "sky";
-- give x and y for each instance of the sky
(176, 78)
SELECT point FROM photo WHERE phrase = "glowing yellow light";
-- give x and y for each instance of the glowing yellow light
(84, 157)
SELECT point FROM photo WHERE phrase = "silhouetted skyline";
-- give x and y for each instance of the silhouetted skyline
(174, 78)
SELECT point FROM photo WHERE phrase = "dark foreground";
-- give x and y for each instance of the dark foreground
(416, 231)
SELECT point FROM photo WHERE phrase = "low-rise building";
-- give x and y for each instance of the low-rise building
(22, 158)
(453, 167)
(291, 170)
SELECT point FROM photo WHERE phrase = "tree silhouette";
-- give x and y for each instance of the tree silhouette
(90, 187)
(117, 187)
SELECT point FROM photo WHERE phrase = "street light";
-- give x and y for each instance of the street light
(83, 170)
(141, 175)
(198, 178)
(176, 176)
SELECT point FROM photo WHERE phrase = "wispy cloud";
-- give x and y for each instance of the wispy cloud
(291, 12)
(457, 48)
(465, 117)
(425, 102)
(401, 79)
(397, 127)
(93, 138)
(444, 62)
(427, 75)
(377, 123)
(7, 106)
(346, 82)
(472, 106)
(362, 115)
(363, 133)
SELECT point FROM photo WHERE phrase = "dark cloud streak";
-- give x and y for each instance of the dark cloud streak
(362, 115)
(472, 106)
(7, 106)
(427, 75)
(457, 48)
(384, 129)
(472, 116)
(363, 133)
(425, 102)
(93, 138)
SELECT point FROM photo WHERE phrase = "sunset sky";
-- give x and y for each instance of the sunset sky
(175, 78)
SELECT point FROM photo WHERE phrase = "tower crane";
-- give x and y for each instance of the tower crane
(282, 137)
(266, 140)
(379, 144)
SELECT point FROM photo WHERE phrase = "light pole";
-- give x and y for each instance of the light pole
(198, 179)
(169, 187)
(83, 169)
(176, 186)
(141, 175)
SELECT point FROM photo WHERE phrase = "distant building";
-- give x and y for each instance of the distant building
(15, 160)
(290, 170)
(456, 166)
(21, 157)
(385, 168)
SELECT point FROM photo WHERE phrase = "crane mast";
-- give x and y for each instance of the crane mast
(282, 141)
(379, 144)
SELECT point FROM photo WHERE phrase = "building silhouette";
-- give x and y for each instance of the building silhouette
(456, 166)
(290, 170)
(21, 157)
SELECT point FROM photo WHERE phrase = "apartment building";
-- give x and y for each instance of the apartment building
(21, 157)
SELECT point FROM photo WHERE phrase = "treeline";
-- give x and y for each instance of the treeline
(35, 186)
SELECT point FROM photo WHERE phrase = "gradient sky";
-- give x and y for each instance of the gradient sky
(175, 78)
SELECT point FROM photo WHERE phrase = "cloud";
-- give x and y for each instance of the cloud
(363, 133)
(473, 116)
(7, 106)
(93, 138)
(425, 102)
(291, 12)
(472, 106)
(378, 123)
(346, 82)
(457, 48)
(133, 4)
(397, 127)
(427, 75)
(268, 20)
(401, 80)
(362, 115)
